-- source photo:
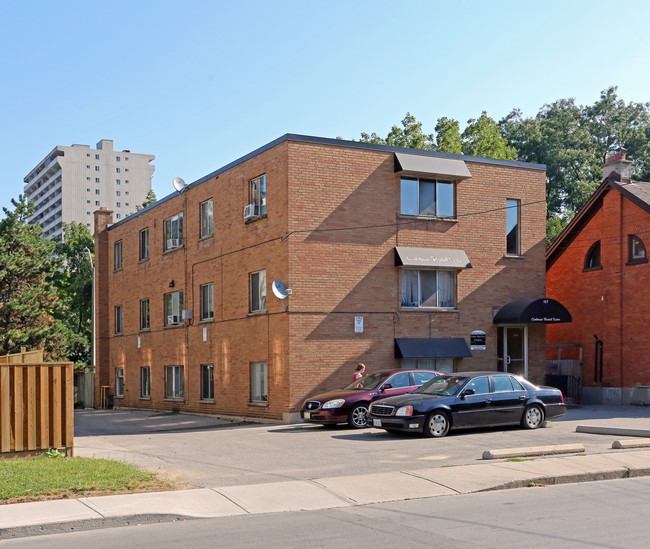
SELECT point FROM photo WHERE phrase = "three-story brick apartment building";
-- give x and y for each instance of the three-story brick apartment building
(395, 257)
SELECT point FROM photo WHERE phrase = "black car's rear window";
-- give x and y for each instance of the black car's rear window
(442, 385)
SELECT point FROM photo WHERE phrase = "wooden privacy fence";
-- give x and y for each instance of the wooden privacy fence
(36, 405)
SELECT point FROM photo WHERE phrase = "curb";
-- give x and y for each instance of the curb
(534, 451)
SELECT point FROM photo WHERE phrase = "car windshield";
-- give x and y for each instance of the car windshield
(442, 385)
(367, 382)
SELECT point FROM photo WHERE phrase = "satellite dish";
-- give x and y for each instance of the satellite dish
(179, 184)
(280, 289)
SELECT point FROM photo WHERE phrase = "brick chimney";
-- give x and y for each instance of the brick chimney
(617, 167)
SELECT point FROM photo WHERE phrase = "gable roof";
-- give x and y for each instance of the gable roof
(637, 192)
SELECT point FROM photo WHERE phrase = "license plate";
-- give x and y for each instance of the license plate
(376, 422)
(307, 415)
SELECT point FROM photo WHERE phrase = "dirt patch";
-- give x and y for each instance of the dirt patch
(163, 484)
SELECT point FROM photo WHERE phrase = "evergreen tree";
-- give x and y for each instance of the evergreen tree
(29, 303)
(149, 200)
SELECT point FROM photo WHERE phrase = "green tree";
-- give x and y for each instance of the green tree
(448, 136)
(554, 226)
(149, 200)
(73, 280)
(482, 137)
(575, 141)
(410, 135)
(28, 300)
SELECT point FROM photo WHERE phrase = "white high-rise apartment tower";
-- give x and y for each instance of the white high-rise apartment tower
(70, 183)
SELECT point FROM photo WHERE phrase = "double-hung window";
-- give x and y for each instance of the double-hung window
(445, 365)
(144, 314)
(431, 197)
(119, 382)
(174, 382)
(513, 246)
(206, 218)
(144, 244)
(117, 255)
(207, 302)
(207, 381)
(145, 382)
(173, 232)
(259, 382)
(118, 319)
(258, 291)
(173, 308)
(258, 195)
(428, 288)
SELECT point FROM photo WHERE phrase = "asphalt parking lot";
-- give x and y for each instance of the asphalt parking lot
(204, 451)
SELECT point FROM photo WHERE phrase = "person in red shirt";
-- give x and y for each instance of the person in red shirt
(361, 367)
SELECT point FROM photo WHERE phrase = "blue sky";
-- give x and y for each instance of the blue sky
(201, 83)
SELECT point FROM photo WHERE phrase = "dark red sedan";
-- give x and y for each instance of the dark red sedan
(350, 404)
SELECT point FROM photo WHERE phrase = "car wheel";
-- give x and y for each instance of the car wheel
(533, 417)
(357, 416)
(437, 424)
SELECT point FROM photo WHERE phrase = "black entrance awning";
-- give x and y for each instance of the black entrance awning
(431, 347)
(533, 311)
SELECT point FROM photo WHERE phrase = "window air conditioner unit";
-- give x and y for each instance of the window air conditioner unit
(172, 319)
(172, 243)
(251, 210)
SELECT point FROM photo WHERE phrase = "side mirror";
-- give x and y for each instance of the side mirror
(387, 386)
(467, 392)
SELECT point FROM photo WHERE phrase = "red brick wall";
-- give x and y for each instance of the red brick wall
(610, 303)
(234, 339)
(339, 274)
(335, 275)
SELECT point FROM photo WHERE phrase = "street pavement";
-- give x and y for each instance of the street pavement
(277, 468)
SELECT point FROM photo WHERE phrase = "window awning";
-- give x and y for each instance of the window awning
(533, 311)
(421, 165)
(431, 347)
(431, 257)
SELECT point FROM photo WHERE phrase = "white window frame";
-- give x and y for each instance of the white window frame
(174, 382)
(257, 194)
(173, 232)
(206, 216)
(259, 382)
(207, 392)
(119, 320)
(422, 304)
(119, 382)
(257, 291)
(117, 255)
(207, 301)
(174, 308)
(145, 382)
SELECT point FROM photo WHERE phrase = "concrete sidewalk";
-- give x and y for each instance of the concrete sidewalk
(325, 493)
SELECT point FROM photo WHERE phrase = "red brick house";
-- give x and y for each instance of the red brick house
(598, 268)
(395, 257)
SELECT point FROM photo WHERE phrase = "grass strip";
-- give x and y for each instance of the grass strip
(34, 479)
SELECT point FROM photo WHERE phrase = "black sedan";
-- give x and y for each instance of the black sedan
(466, 400)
